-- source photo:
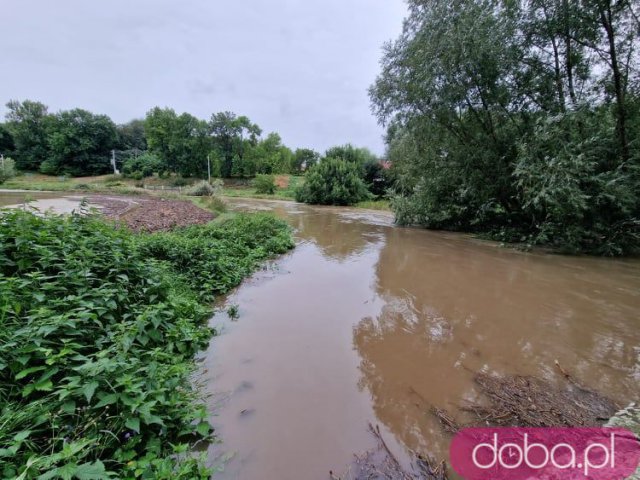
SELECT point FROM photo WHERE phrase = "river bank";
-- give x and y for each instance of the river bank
(99, 331)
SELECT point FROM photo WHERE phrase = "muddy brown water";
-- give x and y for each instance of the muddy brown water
(55, 202)
(367, 322)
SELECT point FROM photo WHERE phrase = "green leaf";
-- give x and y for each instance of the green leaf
(27, 371)
(69, 407)
(92, 471)
(44, 386)
(23, 435)
(107, 400)
(203, 429)
(133, 423)
(89, 390)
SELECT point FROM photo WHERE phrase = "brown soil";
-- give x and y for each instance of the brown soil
(282, 181)
(148, 214)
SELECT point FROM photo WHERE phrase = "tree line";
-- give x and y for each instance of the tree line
(517, 118)
(77, 142)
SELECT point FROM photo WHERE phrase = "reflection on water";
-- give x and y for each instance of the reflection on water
(8, 197)
(368, 322)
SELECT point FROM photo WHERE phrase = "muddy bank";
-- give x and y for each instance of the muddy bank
(139, 213)
(150, 214)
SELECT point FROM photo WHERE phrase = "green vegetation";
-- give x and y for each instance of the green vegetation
(143, 166)
(517, 119)
(265, 184)
(333, 181)
(206, 189)
(80, 143)
(7, 169)
(99, 327)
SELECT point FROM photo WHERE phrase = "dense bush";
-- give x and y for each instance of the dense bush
(7, 169)
(180, 181)
(98, 328)
(213, 257)
(206, 189)
(265, 184)
(333, 182)
(146, 164)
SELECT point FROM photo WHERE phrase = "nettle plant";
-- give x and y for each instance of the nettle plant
(97, 338)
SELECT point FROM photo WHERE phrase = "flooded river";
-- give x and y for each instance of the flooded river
(366, 322)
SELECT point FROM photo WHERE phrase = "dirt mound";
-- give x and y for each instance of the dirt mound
(146, 214)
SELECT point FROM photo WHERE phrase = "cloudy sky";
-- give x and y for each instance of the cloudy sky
(298, 67)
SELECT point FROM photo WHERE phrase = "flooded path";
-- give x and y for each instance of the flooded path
(365, 322)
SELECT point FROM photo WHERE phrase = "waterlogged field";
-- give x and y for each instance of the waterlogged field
(98, 329)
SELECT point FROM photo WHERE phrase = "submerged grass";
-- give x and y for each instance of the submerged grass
(98, 329)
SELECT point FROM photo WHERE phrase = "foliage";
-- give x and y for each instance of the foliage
(272, 156)
(7, 145)
(214, 204)
(229, 131)
(333, 182)
(516, 117)
(376, 178)
(303, 159)
(146, 164)
(180, 181)
(265, 184)
(80, 143)
(98, 331)
(7, 169)
(215, 257)
(206, 189)
(28, 123)
(349, 153)
(131, 136)
(182, 142)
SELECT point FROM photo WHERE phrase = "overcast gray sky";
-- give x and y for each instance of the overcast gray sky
(298, 67)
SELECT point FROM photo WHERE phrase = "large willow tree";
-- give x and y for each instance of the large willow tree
(516, 118)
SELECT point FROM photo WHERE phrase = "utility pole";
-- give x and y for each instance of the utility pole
(113, 162)
(209, 168)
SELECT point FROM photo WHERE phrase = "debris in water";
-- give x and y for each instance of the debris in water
(527, 401)
(380, 463)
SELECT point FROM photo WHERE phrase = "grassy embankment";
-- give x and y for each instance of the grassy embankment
(287, 185)
(98, 329)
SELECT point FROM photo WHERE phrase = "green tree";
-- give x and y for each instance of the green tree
(229, 133)
(349, 153)
(131, 136)
(499, 116)
(146, 165)
(7, 169)
(265, 184)
(333, 181)
(80, 143)
(274, 156)
(303, 159)
(182, 142)
(7, 145)
(28, 122)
